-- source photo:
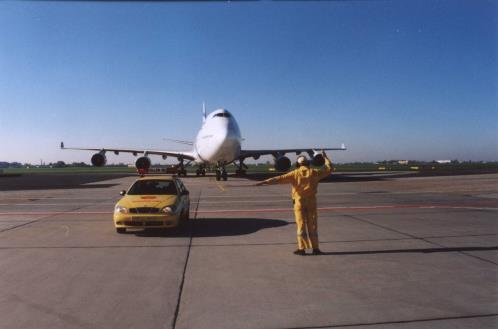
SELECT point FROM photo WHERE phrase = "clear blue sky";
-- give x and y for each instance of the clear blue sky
(391, 79)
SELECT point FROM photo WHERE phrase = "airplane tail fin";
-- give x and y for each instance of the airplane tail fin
(203, 111)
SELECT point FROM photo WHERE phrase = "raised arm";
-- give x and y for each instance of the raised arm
(325, 172)
(282, 179)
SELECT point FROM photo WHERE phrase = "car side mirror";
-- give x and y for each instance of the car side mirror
(123, 192)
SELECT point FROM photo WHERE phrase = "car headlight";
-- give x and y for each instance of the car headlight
(169, 210)
(120, 209)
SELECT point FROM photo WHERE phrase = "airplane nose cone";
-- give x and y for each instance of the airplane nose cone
(220, 139)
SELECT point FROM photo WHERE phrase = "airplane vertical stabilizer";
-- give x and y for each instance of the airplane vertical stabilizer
(203, 111)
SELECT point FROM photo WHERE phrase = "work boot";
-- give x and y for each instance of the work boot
(300, 252)
(316, 252)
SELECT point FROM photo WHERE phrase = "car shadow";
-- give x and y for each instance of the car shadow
(214, 227)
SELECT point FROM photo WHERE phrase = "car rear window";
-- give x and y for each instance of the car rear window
(154, 187)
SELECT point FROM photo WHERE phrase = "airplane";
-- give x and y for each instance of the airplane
(218, 143)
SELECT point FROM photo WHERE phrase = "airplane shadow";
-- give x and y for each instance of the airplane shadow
(398, 251)
(214, 227)
(56, 181)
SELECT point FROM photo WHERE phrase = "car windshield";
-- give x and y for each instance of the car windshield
(155, 187)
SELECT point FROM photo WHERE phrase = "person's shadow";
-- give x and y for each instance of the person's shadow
(214, 227)
(401, 251)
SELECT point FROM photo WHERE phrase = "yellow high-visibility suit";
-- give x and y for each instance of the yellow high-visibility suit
(304, 181)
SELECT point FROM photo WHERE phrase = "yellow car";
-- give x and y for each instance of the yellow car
(152, 202)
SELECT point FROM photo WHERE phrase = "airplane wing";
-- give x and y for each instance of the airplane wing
(179, 141)
(174, 154)
(280, 152)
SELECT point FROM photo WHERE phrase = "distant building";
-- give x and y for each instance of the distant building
(443, 161)
(395, 162)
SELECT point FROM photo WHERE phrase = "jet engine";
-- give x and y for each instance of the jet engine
(143, 163)
(282, 163)
(99, 159)
(318, 159)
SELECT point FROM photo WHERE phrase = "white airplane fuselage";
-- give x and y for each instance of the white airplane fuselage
(219, 139)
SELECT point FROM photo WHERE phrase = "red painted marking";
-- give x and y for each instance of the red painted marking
(481, 205)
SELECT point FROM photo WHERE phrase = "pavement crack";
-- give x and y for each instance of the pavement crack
(191, 233)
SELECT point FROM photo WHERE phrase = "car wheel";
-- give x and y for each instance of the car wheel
(120, 230)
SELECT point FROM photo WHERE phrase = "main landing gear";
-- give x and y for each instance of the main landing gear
(181, 169)
(221, 172)
(241, 168)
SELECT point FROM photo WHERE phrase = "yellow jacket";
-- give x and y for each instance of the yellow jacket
(304, 180)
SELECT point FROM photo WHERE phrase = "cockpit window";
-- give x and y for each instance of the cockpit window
(154, 187)
(223, 115)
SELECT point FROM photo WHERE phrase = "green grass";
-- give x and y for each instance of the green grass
(70, 170)
(262, 168)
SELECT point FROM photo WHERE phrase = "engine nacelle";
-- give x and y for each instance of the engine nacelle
(282, 163)
(318, 160)
(143, 163)
(99, 159)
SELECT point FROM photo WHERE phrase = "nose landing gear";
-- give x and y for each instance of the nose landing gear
(221, 172)
(200, 171)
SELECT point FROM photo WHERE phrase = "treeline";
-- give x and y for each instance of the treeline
(57, 164)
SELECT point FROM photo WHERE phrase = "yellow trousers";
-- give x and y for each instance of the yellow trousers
(306, 222)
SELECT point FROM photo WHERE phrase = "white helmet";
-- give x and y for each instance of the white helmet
(302, 161)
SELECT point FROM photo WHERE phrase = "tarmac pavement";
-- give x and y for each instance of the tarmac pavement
(399, 252)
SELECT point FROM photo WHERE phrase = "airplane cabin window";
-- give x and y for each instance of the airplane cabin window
(223, 115)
